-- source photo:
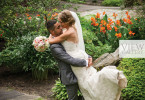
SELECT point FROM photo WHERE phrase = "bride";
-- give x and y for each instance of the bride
(102, 85)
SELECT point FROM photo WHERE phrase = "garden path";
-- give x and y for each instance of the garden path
(85, 9)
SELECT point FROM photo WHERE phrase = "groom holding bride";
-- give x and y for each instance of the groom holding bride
(65, 60)
(68, 48)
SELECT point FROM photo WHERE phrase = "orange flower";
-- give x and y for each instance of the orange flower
(131, 33)
(48, 14)
(16, 15)
(27, 14)
(103, 22)
(115, 28)
(29, 17)
(109, 27)
(124, 19)
(115, 15)
(27, 9)
(101, 25)
(104, 13)
(126, 12)
(136, 19)
(119, 35)
(54, 15)
(128, 16)
(118, 22)
(129, 21)
(37, 15)
(92, 19)
(94, 24)
(110, 21)
(44, 17)
(102, 29)
(98, 15)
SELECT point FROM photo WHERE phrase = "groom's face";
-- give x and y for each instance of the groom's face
(57, 29)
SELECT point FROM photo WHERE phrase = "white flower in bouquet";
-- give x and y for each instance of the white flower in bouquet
(41, 43)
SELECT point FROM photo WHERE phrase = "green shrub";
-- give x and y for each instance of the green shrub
(134, 69)
(59, 91)
(76, 1)
(20, 54)
(139, 28)
(112, 2)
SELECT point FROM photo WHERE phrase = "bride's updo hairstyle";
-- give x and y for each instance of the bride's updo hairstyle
(66, 17)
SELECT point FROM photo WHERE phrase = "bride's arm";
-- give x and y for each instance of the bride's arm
(58, 39)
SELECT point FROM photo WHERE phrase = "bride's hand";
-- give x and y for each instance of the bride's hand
(50, 38)
(90, 62)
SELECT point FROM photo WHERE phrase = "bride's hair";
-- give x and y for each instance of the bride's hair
(66, 17)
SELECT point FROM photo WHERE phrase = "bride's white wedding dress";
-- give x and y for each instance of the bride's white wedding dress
(102, 85)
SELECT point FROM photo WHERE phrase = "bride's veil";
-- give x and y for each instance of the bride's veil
(79, 31)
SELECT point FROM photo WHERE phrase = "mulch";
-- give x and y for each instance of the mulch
(23, 82)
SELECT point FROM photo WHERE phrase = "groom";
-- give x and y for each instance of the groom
(65, 61)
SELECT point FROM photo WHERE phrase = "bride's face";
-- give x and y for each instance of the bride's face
(64, 25)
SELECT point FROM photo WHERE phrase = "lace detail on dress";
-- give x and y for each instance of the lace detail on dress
(70, 46)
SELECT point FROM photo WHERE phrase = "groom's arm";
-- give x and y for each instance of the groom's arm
(60, 54)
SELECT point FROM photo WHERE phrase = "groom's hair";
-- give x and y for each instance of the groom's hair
(50, 25)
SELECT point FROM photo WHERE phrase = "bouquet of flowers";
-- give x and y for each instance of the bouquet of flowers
(41, 43)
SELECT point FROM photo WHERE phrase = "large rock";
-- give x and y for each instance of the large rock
(107, 59)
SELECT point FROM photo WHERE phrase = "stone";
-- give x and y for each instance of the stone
(107, 59)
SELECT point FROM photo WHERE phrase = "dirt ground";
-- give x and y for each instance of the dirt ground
(23, 82)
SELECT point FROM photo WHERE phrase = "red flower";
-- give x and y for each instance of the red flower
(103, 22)
(29, 17)
(126, 12)
(97, 15)
(129, 21)
(118, 22)
(92, 19)
(109, 27)
(124, 19)
(115, 15)
(131, 33)
(119, 35)
(115, 28)
(1, 35)
(27, 9)
(104, 13)
(37, 15)
(94, 24)
(102, 29)
(16, 15)
(27, 14)
(128, 16)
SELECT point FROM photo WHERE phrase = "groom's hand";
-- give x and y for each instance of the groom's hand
(90, 62)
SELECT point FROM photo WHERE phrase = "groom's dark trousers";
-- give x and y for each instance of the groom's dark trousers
(65, 72)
